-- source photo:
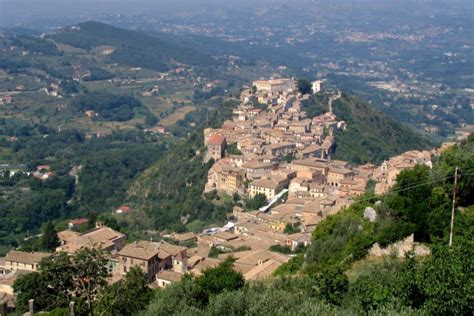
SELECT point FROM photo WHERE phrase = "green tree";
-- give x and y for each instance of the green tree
(233, 150)
(407, 282)
(59, 270)
(178, 296)
(292, 228)
(90, 273)
(214, 252)
(49, 241)
(221, 278)
(446, 280)
(369, 294)
(464, 230)
(411, 205)
(279, 248)
(150, 119)
(370, 186)
(236, 197)
(291, 267)
(126, 297)
(303, 85)
(461, 156)
(333, 285)
(438, 219)
(109, 221)
(256, 202)
(288, 157)
(91, 220)
(229, 303)
(196, 226)
(63, 278)
(33, 286)
(51, 287)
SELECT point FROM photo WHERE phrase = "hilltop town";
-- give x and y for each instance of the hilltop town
(272, 148)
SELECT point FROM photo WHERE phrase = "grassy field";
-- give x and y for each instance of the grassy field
(69, 49)
(177, 115)
(5, 155)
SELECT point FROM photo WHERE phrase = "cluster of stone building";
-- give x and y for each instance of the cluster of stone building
(268, 128)
(155, 259)
(386, 174)
(286, 155)
(162, 262)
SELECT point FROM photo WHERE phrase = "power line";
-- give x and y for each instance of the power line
(427, 182)
(412, 186)
(452, 211)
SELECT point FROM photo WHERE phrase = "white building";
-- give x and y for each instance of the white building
(275, 85)
(317, 86)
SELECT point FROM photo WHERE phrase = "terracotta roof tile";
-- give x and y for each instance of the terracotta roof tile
(216, 139)
(26, 257)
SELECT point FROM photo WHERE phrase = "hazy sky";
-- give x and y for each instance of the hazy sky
(16, 12)
(28, 11)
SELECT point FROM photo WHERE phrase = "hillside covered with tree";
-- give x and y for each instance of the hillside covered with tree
(132, 48)
(109, 106)
(371, 136)
(172, 187)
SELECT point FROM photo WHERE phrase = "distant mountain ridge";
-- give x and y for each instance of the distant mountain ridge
(132, 48)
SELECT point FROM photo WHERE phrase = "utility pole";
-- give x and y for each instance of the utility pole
(31, 308)
(71, 309)
(452, 210)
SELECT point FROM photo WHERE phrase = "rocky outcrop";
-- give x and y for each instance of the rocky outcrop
(400, 248)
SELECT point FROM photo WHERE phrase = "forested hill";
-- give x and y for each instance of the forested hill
(371, 136)
(172, 187)
(132, 48)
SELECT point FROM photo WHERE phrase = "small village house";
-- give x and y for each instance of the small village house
(21, 260)
(269, 187)
(143, 254)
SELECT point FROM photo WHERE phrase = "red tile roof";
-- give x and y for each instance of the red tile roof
(124, 208)
(43, 167)
(78, 221)
(216, 139)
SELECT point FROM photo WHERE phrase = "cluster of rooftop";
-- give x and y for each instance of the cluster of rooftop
(162, 262)
(286, 156)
